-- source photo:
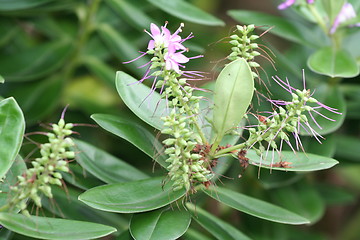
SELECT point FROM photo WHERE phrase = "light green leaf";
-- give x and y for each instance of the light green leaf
(132, 197)
(301, 162)
(333, 63)
(332, 96)
(161, 224)
(105, 166)
(233, 93)
(147, 105)
(34, 63)
(12, 127)
(187, 12)
(2, 80)
(133, 133)
(255, 207)
(217, 227)
(53, 228)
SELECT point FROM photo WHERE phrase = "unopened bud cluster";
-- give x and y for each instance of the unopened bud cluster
(285, 120)
(46, 169)
(244, 47)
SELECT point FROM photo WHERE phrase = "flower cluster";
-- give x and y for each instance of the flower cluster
(45, 171)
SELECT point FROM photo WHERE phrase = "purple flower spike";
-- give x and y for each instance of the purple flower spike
(346, 13)
(286, 4)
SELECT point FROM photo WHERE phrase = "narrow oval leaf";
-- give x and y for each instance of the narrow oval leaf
(133, 133)
(330, 95)
(144, 103)
(255, 207)
(132, 197)
(187, 12)
(217, 227)
(161, 224)
(12, 127)
(53, 228)
(289, 161)
(233, 93)
(105, 166)
(35, 62)
(334, 63)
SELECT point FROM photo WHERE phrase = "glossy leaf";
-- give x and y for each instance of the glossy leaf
(132, 197)
(17, 168)
(302, 199)
(331, 96)
(217, 227)
(35, 62)
(133, 15)
(80, 178)
(348, 147)
(105, 166)
(53, 228)
(12, 5)
(330, 62)
(12, 127)
(282, 27)
(233, 93)
(187, 12)
(300, 162)
(138, 97)
(255, 207)
(161, 224)
(133, 133)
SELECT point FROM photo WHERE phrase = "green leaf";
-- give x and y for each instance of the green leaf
(348, 147)
(300, 162)
(333, 63)
(12, 127)
(122, 48)
(145, 104)
(133, 133)
(284, 28)
(100, 69)
(187, 12)
(161, 224)
(36, 62)
(105, 166)
(255, 207)
(2, 80)
(332, 96)
(192, 234)
(217, 227)
(132, 197)
(53, 228)
(233, 93)
(80, 178)
(17, 168)
(12, 5)
(133, 15)
(326, 149)
(332, 8)
(335, 195)
(302, 199)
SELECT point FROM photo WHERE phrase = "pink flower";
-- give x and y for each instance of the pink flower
(288, 3)
(173, 59)
(346, 13)
(164, 38)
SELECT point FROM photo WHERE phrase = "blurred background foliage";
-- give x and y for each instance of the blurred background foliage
(57, 53)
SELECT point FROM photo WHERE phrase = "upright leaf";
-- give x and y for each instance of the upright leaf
(53, 228)
(187, 11)
(217, 227)
(132, 197)
(255, 207)
(12, 127)
(161, 224)
(233, 93)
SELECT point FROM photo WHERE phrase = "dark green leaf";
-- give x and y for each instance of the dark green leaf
(35, 62)
(132, 197)
(217, 227)
(333, 63)
(147, 105)
(161, 224)
(12, 127)
(105, 166)
(11, 5)
(335, 195)
(255, 207)
(80, 178)
(187, 12)
(326, 149)
(132, 132)
(192, 234)
(348, 147)
(101, 70)
(288, 161)
(53, 228)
